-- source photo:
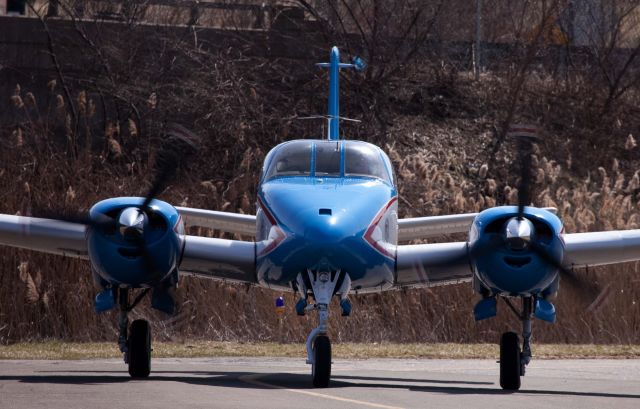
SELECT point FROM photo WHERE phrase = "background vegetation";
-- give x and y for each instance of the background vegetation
(89, 129)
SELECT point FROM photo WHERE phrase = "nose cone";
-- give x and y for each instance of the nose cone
(324, 227)
(323, 219)
(325, 211)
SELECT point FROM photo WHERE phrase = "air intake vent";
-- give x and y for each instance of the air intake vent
(325, 211)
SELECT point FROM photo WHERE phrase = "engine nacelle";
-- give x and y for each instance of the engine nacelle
(134, 251)
(506, 251)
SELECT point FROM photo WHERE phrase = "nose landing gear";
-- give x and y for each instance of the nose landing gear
(323, 284)
(513, 360)
(134, 340)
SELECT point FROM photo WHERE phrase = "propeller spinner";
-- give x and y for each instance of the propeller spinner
(518, 233)
(131, 223)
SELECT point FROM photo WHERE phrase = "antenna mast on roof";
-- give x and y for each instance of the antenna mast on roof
(333, 114)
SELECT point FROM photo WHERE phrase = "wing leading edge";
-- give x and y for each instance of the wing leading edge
(228, 260)
(432, 226)
(600, 248)
(243, 224)
(45, 235)
(425, 265)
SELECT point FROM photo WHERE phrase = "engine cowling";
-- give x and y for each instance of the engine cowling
(516, 256)
(133, 247)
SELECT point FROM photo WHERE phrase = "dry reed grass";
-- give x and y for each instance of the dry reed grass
(56, 350)
(49, 160)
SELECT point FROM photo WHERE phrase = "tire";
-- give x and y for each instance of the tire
(321, 369)
(510, 361)
(139, 344)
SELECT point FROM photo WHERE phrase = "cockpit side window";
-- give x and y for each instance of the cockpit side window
(364, 161)
(327, 158)
(292, 159)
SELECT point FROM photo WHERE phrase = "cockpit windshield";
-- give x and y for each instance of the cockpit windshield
(328, 155)
(291, 159)
(328, 159)
(364, 160)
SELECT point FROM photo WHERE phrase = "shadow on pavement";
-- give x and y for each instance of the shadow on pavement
(287, 381)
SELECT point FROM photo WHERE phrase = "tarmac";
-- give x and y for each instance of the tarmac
(285, 383)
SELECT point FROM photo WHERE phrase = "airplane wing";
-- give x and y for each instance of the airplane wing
(425, 265)
(45, 235)
(228, 222)
(431, 226)
(599, 248)
(228, 260)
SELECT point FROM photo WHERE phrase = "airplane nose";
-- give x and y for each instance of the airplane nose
(324, 226)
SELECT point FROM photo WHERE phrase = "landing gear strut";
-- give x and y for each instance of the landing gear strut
(513, 360)
(323, 284)
(134, 341)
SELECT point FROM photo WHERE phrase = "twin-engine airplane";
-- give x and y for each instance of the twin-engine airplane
(326, 225)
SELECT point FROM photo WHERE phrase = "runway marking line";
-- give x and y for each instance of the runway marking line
(253, 380)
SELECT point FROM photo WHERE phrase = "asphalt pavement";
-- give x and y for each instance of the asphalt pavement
(285, 383)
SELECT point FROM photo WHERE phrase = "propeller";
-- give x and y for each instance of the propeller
(178, 144)
(525, 139)
(131, 222)
(525, 151)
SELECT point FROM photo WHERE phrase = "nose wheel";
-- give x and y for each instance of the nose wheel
(324, 284)
(139, 344)
(510, 361)
(135, 339)
(321, 367)
(513, 359)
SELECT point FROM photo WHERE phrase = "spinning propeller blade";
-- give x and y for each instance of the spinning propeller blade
(525, 137)
(524, 187)
(178, 143)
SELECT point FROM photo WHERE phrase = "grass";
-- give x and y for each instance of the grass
(56, 350)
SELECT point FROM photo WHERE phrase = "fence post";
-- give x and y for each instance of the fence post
(477, 58)
(194, 14)
(52, 8)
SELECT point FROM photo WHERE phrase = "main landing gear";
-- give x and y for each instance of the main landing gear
(324, 285)
(134, 340)
(513, 360)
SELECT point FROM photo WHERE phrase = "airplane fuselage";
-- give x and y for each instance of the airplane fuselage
(327, 216)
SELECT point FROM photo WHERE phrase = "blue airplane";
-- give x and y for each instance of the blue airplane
(326, 226)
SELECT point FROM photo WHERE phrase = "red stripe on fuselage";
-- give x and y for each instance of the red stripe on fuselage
(281, 235)
(267, 213)
(372, 226)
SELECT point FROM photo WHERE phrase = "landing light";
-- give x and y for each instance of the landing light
(280, 305)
